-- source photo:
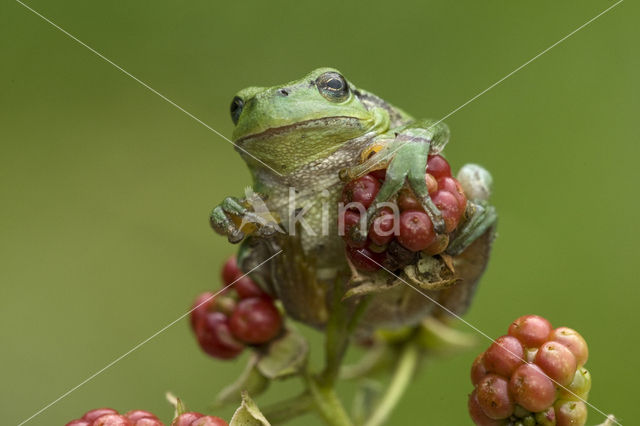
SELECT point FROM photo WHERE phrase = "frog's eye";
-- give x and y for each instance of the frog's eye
(236, 108)
(333, 86)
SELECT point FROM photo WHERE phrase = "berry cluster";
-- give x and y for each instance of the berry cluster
(534, 375)
(414, 231)
(224, 324)
(110, 417)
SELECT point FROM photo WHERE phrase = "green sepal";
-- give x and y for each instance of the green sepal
(283, 357)
(177, 404)
(248, 414)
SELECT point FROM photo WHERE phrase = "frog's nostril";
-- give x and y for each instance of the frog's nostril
(284, 92)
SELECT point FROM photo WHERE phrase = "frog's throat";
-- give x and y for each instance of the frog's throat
(275, 131)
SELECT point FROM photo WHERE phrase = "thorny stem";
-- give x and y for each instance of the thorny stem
(401, 377)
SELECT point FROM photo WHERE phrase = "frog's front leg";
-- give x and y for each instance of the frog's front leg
(406, 160)
(222, 220)
(476, 183)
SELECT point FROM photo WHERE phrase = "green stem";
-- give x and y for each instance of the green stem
(401, 378)
(339, 330)
(328, 404)
(282, 411)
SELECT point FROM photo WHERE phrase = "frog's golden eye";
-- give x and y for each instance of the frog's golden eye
(236, 109)
(333, 86)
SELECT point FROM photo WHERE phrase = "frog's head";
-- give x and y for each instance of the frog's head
(291, 125)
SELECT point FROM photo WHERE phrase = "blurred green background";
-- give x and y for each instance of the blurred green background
(106, 188)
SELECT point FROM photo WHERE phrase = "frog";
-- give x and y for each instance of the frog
(302, 141)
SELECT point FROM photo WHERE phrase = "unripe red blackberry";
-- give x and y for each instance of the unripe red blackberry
(255, 320)
(230, 270)
(186, 419)
(200, 308)
(209, 421)
(379, 174)
(531, 388)
(449, 207)
(215, 337)
(365, 259)
(573, 341)
(91, 415)
(135, 415)
(381, 229)
(531, 330)
(438, 167)
(362, 191)
(112, 420)
(477, 414)
(579, 387)
(351, 220)
(546, 384)
(504, 356)
(570, 413)
(478, 370)
(557, 361)
(452, 186)
(242, 284)
(493, 396)
(143, 418)
(416, 230)
(148, 421)
(407, 200)
(110, 417)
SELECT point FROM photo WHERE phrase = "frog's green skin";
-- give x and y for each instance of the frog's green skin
(302, 135)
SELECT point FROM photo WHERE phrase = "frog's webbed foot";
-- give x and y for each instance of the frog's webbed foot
(476, 183)
(233, 219)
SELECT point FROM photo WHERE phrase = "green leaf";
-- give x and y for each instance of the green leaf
(251, 380)
(284, 357)
(248, 414)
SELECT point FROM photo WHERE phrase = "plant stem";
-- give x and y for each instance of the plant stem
(282, 411)
(328, 404)
(401, 377)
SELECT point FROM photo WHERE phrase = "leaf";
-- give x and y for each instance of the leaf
(251, 380)
(248, 414)
(284, 356)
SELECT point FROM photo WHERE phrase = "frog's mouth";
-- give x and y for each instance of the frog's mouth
(335, 124)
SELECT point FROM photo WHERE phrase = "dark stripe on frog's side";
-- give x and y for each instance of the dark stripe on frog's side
(369, 100)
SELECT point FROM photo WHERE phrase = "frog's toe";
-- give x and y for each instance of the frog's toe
(221, 223)
(266, 231)
(434, 214)
(235, 236)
